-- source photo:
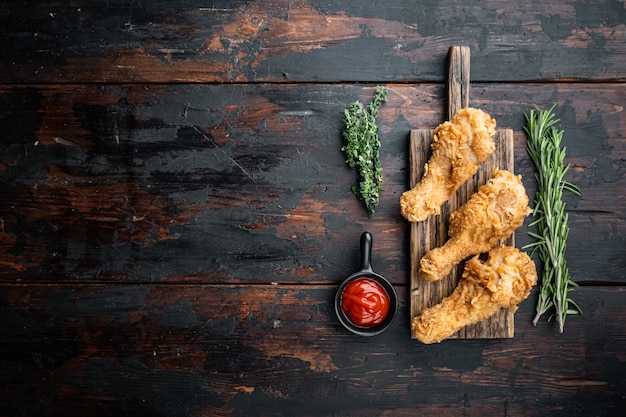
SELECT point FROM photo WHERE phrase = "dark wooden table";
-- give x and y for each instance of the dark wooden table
(176, 213)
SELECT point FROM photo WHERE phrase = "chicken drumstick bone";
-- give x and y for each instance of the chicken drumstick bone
(502, 281)
(459, 146)
(490, 215)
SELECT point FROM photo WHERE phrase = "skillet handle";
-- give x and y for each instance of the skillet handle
(366, 252)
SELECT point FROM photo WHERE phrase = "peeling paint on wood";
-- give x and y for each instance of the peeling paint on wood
(176, 213)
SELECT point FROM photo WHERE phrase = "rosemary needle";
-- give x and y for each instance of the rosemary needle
(544, 148)
(362, 148)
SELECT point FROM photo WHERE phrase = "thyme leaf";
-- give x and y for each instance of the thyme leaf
(362, 148)
(543, 145)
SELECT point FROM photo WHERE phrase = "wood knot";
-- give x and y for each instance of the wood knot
(255, 21)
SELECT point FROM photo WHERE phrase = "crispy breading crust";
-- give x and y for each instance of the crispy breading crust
(459, 146)
(490, 216)
(502, 281)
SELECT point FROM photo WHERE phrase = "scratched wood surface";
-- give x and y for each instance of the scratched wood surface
(175, 212)
(126, 41)
(433, 231)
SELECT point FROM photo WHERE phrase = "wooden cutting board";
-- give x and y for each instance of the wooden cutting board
(433, 232)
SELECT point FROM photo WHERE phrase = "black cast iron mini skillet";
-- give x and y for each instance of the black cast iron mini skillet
(366, 271)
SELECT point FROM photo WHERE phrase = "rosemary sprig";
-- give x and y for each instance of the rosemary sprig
(543, 147)
(362, 148)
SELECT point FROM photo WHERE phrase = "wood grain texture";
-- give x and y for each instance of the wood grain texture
(127, 41)
(215, 350)
(433, 232)
(167, 204)
(459, 75)
(176, 213)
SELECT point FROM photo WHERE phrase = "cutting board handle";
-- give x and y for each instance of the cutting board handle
(458, 79)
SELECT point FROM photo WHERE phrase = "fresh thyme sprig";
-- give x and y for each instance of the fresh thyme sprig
(363, 148)
(543, 147)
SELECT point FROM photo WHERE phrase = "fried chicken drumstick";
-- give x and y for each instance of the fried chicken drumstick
(459, 146)
(502, 281)
(490, 215)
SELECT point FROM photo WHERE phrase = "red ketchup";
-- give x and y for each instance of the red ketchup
(365, 302)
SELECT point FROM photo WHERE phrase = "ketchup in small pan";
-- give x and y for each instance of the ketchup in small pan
(366, 302)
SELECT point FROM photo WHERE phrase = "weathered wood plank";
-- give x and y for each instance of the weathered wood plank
(433, 231)
(298, 40)
(279, 350)
(175, 213)
(247, 183)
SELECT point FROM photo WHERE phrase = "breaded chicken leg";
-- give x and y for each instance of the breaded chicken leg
(502, 281)
(490, 215)
(458, 147)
